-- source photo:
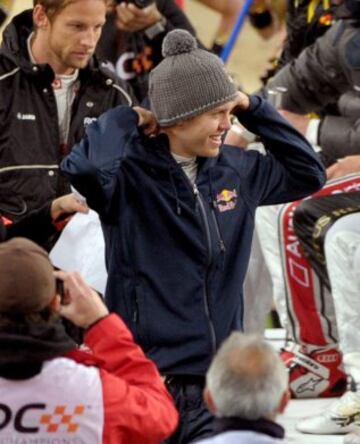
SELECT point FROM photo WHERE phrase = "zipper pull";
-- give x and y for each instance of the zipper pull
(136, 310)
(135, 317)
(195, 189)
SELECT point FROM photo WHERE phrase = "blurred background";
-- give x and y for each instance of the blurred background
(249, 57)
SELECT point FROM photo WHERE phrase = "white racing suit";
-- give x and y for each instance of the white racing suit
(305, 306)
(304, 303)
(341, 247)
(342, 251)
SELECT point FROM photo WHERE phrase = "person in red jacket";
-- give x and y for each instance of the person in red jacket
(106, 392)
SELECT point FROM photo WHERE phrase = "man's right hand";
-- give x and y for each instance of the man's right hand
(298, 121)
(81, 304)
(130, 18)
(242, 101)
(342, 167)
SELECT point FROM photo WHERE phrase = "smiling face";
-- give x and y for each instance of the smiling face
(68, 40)
(202, 135)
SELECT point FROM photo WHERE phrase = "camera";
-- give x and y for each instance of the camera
(60, 289)
(139, 3)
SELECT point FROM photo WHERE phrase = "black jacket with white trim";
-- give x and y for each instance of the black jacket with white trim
(29, 132)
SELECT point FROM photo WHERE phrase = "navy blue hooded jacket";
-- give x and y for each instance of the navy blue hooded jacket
(177, 254)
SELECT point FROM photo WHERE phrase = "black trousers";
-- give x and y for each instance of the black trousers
(196, 422)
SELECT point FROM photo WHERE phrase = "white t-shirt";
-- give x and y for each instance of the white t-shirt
(189, 166)
(65, 88)
(63, 403)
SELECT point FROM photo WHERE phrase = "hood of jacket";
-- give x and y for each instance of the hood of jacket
(14, 43)
(25, 346)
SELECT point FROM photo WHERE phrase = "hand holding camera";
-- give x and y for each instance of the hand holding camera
(138, 3)
(136, 15)
(80, 304)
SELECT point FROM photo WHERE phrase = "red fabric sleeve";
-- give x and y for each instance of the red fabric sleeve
(138, 408)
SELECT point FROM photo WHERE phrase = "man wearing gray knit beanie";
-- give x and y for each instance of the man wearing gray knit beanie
(188, 82)
(177, 210)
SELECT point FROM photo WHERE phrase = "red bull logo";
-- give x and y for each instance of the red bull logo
(226, 200)
(326, 19)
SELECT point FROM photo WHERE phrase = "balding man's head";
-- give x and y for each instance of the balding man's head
(247, 378)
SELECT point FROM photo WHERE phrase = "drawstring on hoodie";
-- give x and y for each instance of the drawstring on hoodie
(177, 200)
(12, 212)
(213, 208)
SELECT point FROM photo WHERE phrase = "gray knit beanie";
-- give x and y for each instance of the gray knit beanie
(188, 82)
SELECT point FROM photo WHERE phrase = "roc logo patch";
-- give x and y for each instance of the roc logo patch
(226, 200)
(60, 417)
(38, 418)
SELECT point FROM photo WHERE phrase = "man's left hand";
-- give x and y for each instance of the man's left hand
(130, 18)
(147, 121)
(66, 206)
(342, 167)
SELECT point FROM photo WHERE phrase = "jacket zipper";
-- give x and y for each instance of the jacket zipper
(217, 228)
(194, 189)
(206, 289)
(136, 311)
(221, 260)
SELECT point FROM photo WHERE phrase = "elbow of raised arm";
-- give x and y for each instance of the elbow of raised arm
(317, 179)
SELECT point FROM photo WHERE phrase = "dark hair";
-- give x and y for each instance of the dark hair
(46, 315)
(53, 7)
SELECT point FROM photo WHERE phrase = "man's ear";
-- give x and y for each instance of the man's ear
(284, 401)
(181, 124)
(55, 303)
(40, 17)
(209, 400)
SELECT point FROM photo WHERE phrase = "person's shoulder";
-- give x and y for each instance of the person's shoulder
(242, 437)
(231, 153)
(101, 77)
(7, 68)
(340, 31)
(107, 70)
(80, 366)
(243, 161)
(352, 45)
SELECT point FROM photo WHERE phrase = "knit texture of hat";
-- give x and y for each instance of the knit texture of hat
(27, 283)
(188, 82)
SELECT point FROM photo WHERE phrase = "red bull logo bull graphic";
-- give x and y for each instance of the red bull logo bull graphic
(226, 200)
